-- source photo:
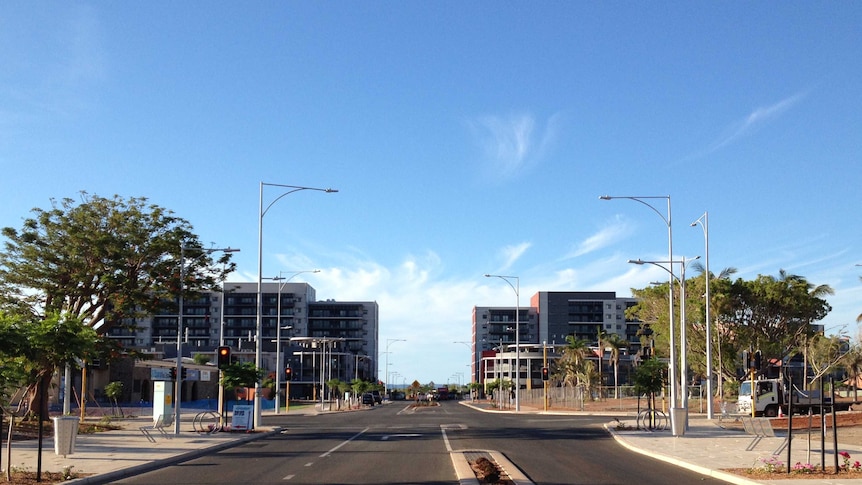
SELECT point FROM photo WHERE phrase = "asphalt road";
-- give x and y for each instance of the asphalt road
(394, 444)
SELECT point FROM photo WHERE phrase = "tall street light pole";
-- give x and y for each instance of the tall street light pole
(386, 383)
(179, 380)
(710, 413)
(517, 289)
(667, 221)
(258, 355)
(472, 360)
(683, 372)
(278, 361)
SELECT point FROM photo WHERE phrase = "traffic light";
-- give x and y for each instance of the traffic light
(758, 360)
(223, 357)
(288, 374)
(545, 374)
(746, 359)
(173, 373)
(185, 373)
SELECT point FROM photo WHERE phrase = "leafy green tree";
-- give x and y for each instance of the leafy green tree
(202, 359)
(43, 345)
(774, 315)
(241, 374)
(114, 392)
(103, 260)
(649, 379)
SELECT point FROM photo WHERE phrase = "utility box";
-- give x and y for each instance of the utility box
(65, 433)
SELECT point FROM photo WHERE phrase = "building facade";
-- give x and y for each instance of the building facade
(318, 340)
(544, 326)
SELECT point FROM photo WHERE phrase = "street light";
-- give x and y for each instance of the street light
(682, 332)
(710, 414)
(517, 289)
(667, 220)
(473, 361)
(388, 342)
(258, 356)
(278, 365)
(179, 380)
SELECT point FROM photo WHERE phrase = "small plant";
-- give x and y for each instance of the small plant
(803, 468)
(67, 473)
(772, 464)
(855, 466)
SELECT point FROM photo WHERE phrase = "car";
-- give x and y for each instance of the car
(367, 398)
(377, 397)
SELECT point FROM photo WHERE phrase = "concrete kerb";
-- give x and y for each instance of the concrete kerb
(112, 476)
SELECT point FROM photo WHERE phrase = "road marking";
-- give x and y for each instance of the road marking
(357, 435)
(289, 477)
(402, 435)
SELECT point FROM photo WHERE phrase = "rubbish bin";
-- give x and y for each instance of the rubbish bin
(678, 418)
(65, 432)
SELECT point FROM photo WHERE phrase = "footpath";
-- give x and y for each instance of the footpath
(705, 447)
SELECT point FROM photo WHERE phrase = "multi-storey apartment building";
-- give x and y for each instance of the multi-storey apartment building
(544, 325)
(346, 333)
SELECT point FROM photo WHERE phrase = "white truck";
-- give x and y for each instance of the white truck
(772, 395)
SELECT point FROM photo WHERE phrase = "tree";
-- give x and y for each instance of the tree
(241, 374)
(774, 315)
(43, 345)
(852, 361)
(103, 260)
(616, 344)
(114, 391)
(649, 378)
(573, 355)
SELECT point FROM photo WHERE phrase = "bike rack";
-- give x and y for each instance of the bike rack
(207, 422)
(652, 420)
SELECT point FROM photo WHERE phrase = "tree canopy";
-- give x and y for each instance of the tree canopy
(102, 260)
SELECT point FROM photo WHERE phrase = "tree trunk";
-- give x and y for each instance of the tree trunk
(38, 401)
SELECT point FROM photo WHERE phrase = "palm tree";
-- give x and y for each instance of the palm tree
(852, 360)
(616, 344)
(601, 340)
(571, 360)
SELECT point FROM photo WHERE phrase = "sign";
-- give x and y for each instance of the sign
(160, 374)
(206, 375)
(242, 418)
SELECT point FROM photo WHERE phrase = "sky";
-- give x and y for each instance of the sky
(464, 138)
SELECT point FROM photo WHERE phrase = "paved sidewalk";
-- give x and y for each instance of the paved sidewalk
(707, 448)
(108, 456)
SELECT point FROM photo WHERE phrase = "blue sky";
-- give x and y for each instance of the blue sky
(464, 138)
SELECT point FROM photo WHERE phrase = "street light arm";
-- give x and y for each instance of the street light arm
(666, 219)
(295, 188)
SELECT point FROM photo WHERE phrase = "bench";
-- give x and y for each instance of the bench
(159, 424)
(761, 428)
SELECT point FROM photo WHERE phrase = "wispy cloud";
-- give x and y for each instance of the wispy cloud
(604, 237)
(510, 254)
(754, 121)
(511, 144)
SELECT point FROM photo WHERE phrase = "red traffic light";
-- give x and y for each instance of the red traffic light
(545, 374)
(288, 374)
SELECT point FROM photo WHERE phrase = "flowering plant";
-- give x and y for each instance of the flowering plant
(800, 467)
(771, 464)
(855, 466)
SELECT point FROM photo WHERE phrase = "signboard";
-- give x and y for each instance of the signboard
(242, 418)
(160, 374)
(206, 375)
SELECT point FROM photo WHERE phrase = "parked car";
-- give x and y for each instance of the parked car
(367, 398)
(378, 398)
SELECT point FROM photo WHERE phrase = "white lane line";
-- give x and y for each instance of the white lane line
(289, 477)
(357, 435)
(446, 440)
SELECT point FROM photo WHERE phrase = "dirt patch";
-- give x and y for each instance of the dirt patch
(489, 473)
